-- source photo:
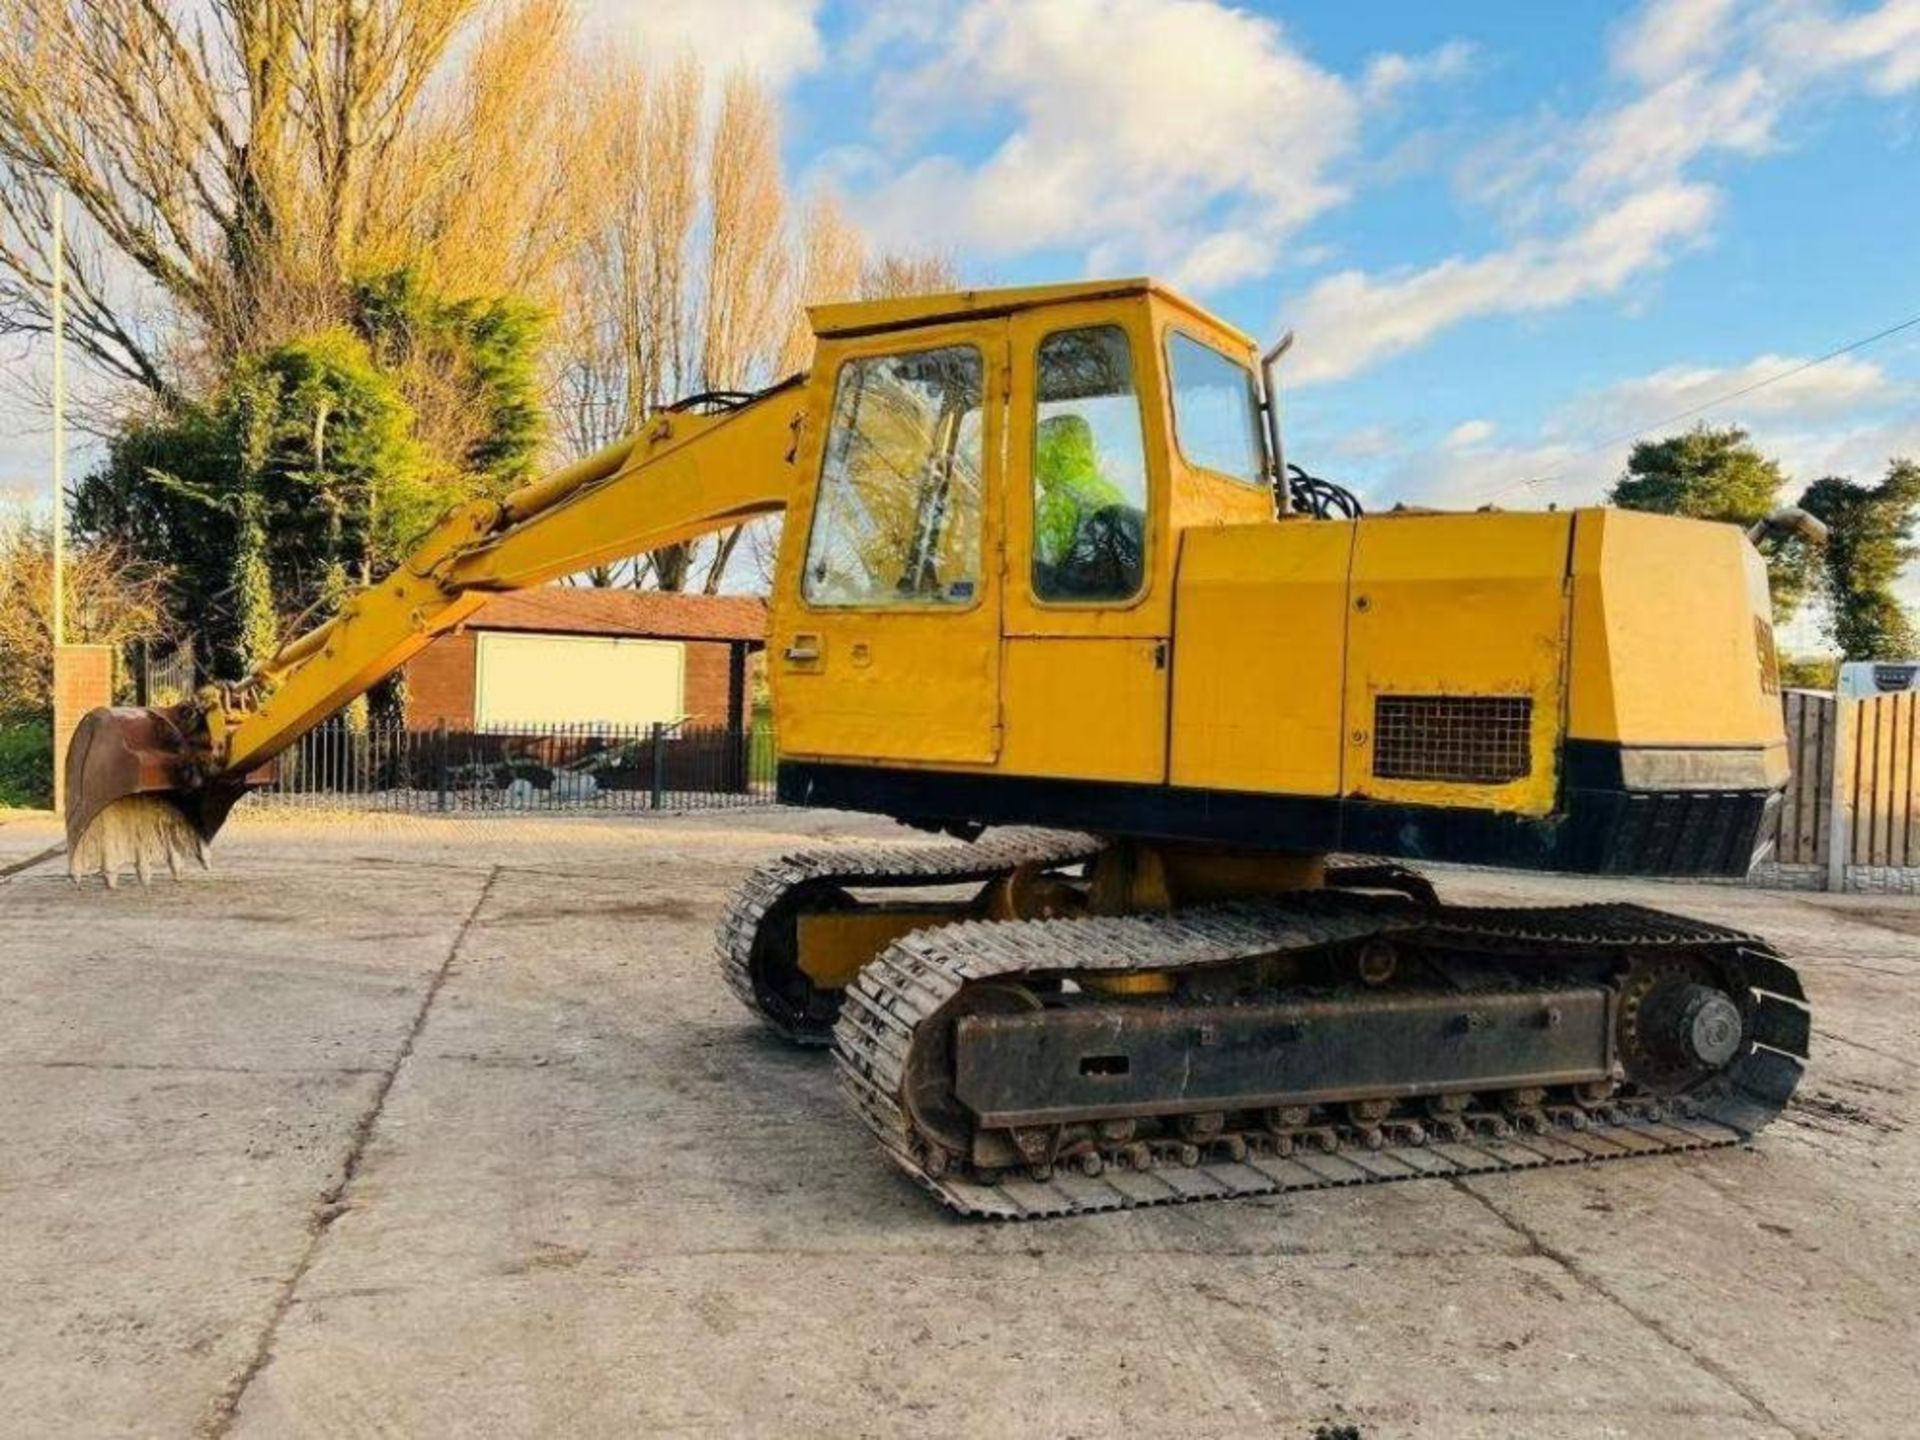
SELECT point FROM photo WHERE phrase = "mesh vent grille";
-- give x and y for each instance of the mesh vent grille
(1468, 739)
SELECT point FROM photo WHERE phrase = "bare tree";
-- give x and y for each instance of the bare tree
(109, 601)
(695, 275)
(747, 269)
(681, 283)
(485, 193)
(896, 274)
(831, 259)
(236, 162)
(624, 338)
(747, 287)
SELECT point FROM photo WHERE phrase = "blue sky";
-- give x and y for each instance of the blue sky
(1506, 234)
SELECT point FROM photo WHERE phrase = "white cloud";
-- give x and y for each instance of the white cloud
(24, 468)
(1350, 320)
(1795, 39)
(1465, 477)
(1838, 387)
(1386, 76)
(1884, 42)
(1613, 196)
(1370, 442)
(1858, 450)
(1652, 139)
(1844, 417)
(1225, 256)
(1176, 135)
(26, 425)
(778, 39)
(1667, 37)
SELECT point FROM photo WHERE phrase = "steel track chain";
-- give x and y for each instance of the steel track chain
(914, 978)
(789, 879)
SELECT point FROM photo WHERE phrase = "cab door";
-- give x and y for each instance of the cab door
(1088, 579)
(886, 646)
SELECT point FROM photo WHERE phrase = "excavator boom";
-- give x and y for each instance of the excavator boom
(160, 782)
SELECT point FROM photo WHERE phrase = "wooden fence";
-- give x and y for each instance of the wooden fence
(1866, 754)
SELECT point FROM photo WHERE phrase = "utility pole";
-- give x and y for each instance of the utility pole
(59, 615)
(59, 421)
(82, 674)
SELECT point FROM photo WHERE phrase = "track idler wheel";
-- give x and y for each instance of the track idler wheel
(1678, 1025)
(938, 1113)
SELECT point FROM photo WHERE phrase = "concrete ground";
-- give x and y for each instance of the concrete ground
(443, 1127)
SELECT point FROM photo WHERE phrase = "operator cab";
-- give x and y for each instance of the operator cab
(987, 549)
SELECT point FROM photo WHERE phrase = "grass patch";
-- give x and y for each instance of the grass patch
(763, 756)
(26, 764)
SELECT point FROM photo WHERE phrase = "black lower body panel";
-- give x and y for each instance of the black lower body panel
(1599, 830)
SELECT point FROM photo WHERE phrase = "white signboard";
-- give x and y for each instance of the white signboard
(539, 680)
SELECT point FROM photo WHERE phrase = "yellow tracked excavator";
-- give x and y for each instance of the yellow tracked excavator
(1048, 587)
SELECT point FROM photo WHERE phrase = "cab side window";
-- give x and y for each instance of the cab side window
(1216, 411)
(897, 519)
(1089, 469)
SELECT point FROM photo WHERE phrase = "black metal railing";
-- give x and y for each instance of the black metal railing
(163, 679)
(384, 766)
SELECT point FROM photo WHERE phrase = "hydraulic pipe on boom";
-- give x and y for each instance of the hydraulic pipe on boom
(162, 782)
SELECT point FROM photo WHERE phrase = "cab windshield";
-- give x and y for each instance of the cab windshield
(898, 516)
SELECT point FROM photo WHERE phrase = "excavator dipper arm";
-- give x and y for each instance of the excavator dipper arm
(158, 783)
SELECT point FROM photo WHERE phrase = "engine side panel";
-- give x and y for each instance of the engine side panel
(1456, 652)
(1487, 662)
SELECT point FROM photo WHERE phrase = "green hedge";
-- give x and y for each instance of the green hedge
(26, 763)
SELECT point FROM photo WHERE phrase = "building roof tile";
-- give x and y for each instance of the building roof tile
(652, 614)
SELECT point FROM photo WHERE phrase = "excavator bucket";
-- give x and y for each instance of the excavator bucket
(136, 793)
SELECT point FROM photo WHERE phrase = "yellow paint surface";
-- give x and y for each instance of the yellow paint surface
(834, 944)
(886, 686)
(894, 682)
(1250, 660)
(1259, 658)
(1458, 605)
(861, 317)
(1085, 709)
(1668, 619)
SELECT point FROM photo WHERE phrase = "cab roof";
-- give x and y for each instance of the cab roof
(870, 317)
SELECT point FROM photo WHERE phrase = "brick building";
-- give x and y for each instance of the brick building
(571, 655)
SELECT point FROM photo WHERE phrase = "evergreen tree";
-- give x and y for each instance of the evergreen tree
(315, 466)
(467, 366)
(1870, 541)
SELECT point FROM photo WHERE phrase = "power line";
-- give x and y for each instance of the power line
(1705, 405)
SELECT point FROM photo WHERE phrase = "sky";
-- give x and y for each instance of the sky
(1507, 236)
